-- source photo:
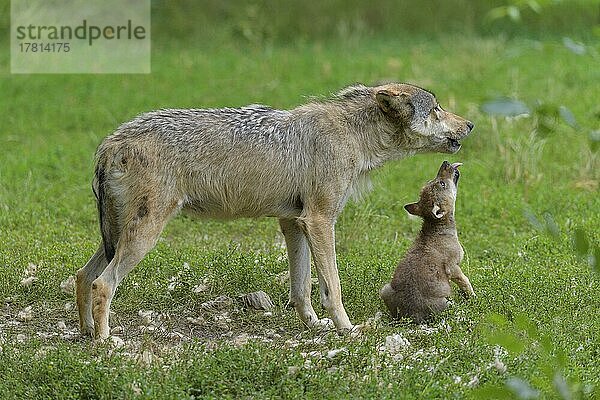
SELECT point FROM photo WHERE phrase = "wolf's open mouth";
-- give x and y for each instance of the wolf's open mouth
(453, 143)
(456, 172)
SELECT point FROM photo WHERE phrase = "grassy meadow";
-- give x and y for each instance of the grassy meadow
(528, 184)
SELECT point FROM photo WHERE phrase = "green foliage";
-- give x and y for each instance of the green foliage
(288, 21)
(516, 336)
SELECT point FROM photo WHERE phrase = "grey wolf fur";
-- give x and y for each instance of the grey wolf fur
(299, 165)
(421, 283)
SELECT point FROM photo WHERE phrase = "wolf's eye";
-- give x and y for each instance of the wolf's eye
(443, 184)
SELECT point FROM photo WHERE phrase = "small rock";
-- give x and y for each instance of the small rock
(21, 338)
(241, 340)
(116, 341)
(499, 365)
(395, 343)
(324, 324)
(135, 389)
(473, 382)
(116, 330)
(195, 321)
(30, 270)
(61, 325)
(68, 285)
(283, 277)
(69, 306)
(257, 300)
(200, 288)
(26, 314)
(27, 282)
(220, 303)
(332, 353)
(146, 317)
(147, 357)
(172, 283)
(293, 370)
(268, 314)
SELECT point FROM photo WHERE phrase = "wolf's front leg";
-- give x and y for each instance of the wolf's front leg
(321, 239)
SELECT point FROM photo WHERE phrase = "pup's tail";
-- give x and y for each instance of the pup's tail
(99, 187)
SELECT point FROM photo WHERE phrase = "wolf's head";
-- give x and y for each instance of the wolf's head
(424, 124)
(438, 196)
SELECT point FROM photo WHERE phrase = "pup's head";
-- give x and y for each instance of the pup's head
(438, 196)
(424, 124)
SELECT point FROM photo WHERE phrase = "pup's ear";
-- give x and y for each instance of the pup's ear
(413, 209)
(390, 101)
(437, 211)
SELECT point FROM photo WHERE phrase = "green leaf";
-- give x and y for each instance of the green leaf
(523, 323)
(575, 47)
(535, 6)
(551, 226)
(492, 392)
(504, 106)
(580, 243)
(568, 117)
(561, 358)
(562, 387)
(521, 388)
(496, 319)
(512, 343)
(595, 260)
(533, 220)
(513, 13)
(496, 13)
(595, 140)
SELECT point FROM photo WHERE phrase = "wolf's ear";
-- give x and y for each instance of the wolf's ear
(390, 101)
(413, 209)
(385, 100)
(437, 211)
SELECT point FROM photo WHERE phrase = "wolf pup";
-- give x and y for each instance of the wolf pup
(299, 165)
(421, 282)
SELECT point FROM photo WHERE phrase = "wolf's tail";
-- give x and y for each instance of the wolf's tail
(99, 187)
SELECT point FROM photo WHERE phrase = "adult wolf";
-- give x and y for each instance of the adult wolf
(298, 165)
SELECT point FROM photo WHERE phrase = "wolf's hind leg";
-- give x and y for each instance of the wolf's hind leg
(299, 260)
(85, 276)
(137, 238)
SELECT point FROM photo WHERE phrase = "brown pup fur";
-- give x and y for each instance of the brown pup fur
(420, 286)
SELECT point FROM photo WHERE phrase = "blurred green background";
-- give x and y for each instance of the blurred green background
(288, 21)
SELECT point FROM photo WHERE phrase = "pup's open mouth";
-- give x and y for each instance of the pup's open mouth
(456, 171)
(453, 145)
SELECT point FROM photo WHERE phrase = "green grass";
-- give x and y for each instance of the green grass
(51, 124)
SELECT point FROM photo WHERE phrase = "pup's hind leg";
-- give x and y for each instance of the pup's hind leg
(299, 259)
(85, 276)
(391, 299)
